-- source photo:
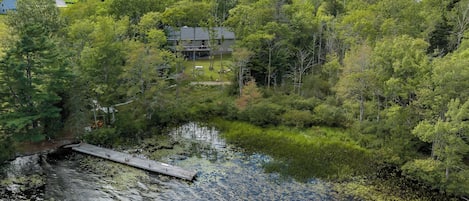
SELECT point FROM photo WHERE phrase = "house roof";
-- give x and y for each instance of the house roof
(198, 33)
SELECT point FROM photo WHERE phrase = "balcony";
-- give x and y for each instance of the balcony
(197, 48)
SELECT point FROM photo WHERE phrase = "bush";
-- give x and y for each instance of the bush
(6, 148)
(103, 136)
(298, 118)
(131, 123)
(214, 108)
(263, 114)
(296, 102)
(328, 115)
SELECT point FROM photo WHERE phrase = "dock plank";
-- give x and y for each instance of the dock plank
(128, 159)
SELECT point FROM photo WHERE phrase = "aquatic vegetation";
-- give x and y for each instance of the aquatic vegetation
(323, 153)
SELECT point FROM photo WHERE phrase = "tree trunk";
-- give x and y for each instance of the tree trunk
(447, 173)
(362, 107)
(240, 80)
(269, 70)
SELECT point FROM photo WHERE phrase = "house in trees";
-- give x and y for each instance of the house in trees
(194, 42)
(10, 5)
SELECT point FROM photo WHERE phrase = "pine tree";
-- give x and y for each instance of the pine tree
(32, 73)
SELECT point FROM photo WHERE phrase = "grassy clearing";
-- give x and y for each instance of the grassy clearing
(320, 152)
(205, 74)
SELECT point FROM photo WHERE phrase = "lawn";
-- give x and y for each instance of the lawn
(205, 74)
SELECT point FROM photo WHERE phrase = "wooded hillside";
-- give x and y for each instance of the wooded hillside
(393, 73)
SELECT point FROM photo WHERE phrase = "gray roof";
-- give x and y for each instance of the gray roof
(198, 33)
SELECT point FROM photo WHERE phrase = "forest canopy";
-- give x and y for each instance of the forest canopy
(393, 74)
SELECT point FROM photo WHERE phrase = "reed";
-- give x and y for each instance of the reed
(314, 153)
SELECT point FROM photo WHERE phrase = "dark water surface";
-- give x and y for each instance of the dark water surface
(224, 173)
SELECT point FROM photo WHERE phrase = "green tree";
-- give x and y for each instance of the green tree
(144, 76)
(186, 13)
(459, 20)
(136, 9)
(357, 80)
(449, 146)
(401, 64)
(102, 59)
(85, 9)
(33, 73)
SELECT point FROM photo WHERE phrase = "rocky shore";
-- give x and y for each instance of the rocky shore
(23, 178)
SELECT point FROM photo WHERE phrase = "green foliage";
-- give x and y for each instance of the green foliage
(6, 148)
(375, 67)
(103, 136)
(212, 108)
(3, 34)
(300, 155)
(85, 9)
(297, 118)
(427, 170)
(449, 147)
(102, 58)
(132, 122)
(329, 115)
(262, 114)
(135, 9)
(33, 73)
(203, 103)
(186, 13)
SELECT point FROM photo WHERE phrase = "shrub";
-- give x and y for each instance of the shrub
(296, 102)
(6, 148)
(103, 136)
(325, 114)
(298, 118)
(262, 114)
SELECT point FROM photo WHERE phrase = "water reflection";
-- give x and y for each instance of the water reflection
(223, 174)
(226, 174)
(200, 134)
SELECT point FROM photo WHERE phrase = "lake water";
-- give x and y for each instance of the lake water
(224, 173)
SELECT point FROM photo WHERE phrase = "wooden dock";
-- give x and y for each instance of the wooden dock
(128, 159)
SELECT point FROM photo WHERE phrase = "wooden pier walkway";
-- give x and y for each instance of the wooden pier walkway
(128, 159)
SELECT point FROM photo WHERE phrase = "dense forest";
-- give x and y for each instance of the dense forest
(371, 89)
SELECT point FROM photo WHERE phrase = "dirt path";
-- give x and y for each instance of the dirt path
(210, 83)
(29, 148)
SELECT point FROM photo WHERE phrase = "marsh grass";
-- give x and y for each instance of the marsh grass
(317, 153)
